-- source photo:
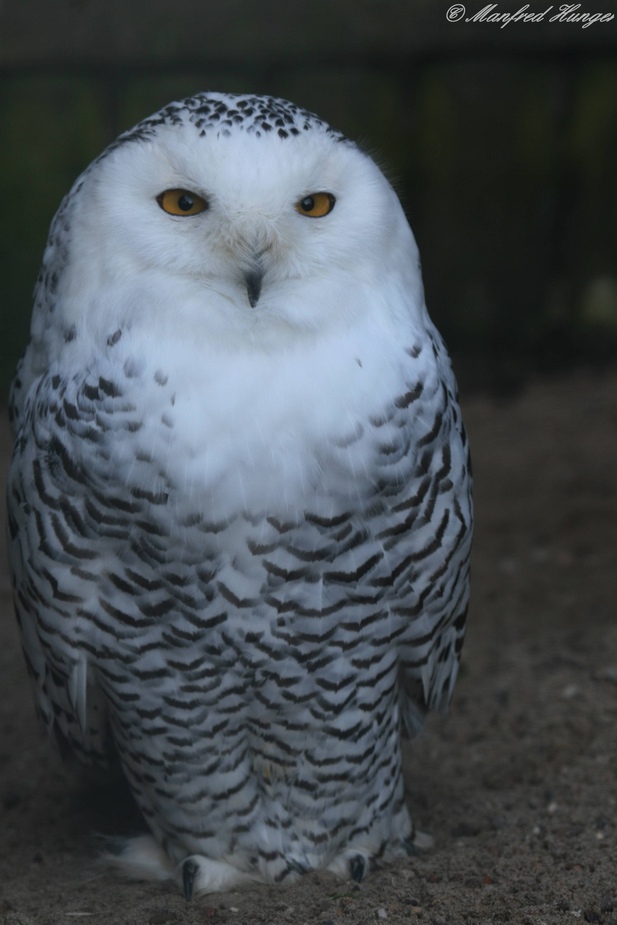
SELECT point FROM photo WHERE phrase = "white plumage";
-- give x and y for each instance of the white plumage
(239, 503)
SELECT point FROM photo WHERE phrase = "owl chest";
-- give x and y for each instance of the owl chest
(248, 437)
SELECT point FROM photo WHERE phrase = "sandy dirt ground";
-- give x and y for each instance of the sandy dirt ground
(518, 785)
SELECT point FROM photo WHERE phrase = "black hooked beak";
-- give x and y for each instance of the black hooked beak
(253, 279)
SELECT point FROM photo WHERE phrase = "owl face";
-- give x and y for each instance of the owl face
(222, 233)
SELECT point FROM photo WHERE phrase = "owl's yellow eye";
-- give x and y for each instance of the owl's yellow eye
(181, 202)
(316, 205)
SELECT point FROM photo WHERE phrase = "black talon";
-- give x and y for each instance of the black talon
(408, 847)
(189, 872)
(357, 868)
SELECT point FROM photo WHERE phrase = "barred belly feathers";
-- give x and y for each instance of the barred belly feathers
(239, 504)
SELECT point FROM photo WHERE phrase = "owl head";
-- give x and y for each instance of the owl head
(225, 217)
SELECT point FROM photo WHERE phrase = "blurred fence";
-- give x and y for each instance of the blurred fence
(501, 140)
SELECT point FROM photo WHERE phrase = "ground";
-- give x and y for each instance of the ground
(518, 785)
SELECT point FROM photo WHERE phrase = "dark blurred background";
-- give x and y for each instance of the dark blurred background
(501, 142)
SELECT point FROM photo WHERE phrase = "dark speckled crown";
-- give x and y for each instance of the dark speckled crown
(224, 113)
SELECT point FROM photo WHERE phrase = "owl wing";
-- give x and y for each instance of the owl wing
(53, 565)
(68, 701)
(426, 528)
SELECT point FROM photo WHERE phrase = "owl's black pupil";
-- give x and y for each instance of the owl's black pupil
(185, 203)
(307, 204)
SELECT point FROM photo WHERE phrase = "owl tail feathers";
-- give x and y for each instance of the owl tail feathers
(139, 858)
(419, 841)
(142, 858)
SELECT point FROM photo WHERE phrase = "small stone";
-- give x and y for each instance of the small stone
(382, 914)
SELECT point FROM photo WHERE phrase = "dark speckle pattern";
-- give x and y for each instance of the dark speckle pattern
(256, 115)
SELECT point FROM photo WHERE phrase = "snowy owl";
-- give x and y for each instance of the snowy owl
(239, 503)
